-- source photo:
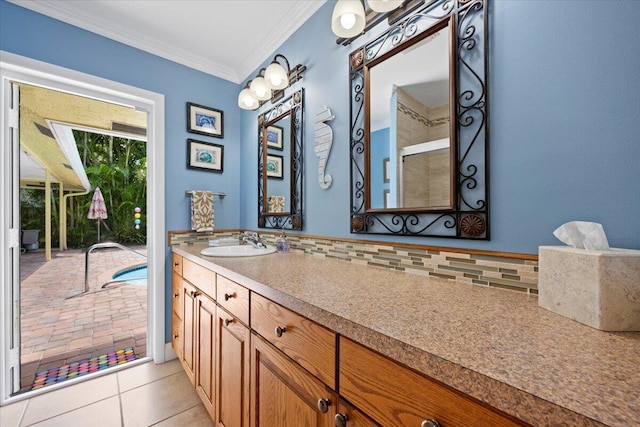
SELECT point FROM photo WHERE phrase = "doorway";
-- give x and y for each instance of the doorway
(14, 68)
(80, 312)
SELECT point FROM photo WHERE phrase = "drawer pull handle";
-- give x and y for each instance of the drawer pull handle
(227, 297)
(280, 330)
(227, 322)
(340, 420)
(175, 336)
(175, 264)
(176, 295)
(430, 423)
(323, 405)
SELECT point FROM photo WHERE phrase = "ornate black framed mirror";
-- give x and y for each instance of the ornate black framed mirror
(419, 163)
(280, 139)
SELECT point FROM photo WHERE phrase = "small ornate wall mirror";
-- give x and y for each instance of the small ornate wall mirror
(280, 165)
(419, 125)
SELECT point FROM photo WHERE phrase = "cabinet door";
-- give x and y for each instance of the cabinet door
(233, 356)
(205, 351)
(189, 294)
(284, 394)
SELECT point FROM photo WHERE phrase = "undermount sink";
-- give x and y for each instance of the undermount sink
(237, 251)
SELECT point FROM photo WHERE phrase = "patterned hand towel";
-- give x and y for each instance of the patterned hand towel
(276, 204)
(202, 210)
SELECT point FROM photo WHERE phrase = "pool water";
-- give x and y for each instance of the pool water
(136, 275)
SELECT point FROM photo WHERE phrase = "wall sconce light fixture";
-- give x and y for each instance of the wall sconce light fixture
(349, 19)
(270, 83)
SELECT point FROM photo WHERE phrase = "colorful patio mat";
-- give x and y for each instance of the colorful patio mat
(83, 367)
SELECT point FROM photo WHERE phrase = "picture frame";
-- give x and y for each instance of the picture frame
(205, 120)
(385, 170)
(274, 166)
(274, 137)
(205, 156)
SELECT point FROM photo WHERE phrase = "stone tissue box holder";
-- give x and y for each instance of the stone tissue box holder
(598, 288)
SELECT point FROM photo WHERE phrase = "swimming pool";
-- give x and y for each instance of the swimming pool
(136, 275)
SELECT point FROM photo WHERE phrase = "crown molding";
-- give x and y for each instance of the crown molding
(300, 11)
(297, 15)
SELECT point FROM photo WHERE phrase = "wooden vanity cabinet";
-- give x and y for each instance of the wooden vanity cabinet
(285, 394)
(187, 344)
(195, 341)
(176, 262)
(234, 298)
(204, 340)
(198, 344)
(176, 304)
(293, 368)
(233, 356)
(311, 345)
(176, 315)
(255, 363)
(394, 395)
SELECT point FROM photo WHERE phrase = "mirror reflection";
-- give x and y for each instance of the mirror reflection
(411, 160)
(280, 145)
(277, 164)
(408, 171)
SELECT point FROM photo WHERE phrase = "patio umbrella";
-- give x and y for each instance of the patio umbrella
(97, 210)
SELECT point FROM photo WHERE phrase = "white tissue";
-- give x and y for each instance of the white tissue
(583, 235)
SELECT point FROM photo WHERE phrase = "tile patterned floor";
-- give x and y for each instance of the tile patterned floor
(57, 330)
(143, 395)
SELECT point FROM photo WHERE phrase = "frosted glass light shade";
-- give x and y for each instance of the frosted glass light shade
(276, 77)
(384, 5)
(246, 101)
(259, 89)
(348, 18)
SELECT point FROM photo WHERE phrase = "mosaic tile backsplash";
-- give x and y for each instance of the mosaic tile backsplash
(471, 268)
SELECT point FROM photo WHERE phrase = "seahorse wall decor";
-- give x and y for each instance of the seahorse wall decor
(324, 139)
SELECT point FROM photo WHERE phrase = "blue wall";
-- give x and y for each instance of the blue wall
(29, 34)
(564, 124)
(379, 152)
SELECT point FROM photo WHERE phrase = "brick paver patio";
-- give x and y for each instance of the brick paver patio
(58, 326)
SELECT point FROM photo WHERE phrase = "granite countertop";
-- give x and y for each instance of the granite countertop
(495, 345)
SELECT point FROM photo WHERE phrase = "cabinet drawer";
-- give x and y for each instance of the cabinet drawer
(199, 276)
(234, 298)
(176, 261)
(306, 342)
(394, 395)
(176, 294)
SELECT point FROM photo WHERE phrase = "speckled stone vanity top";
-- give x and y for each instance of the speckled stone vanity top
(495, 345)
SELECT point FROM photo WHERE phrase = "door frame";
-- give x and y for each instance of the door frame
(30, 71)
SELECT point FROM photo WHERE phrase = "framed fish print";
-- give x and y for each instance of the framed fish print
(205, 156)
(205, 120)
(274, 166)
(274, 137)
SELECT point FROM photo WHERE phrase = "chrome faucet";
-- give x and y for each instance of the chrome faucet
(253, 238)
